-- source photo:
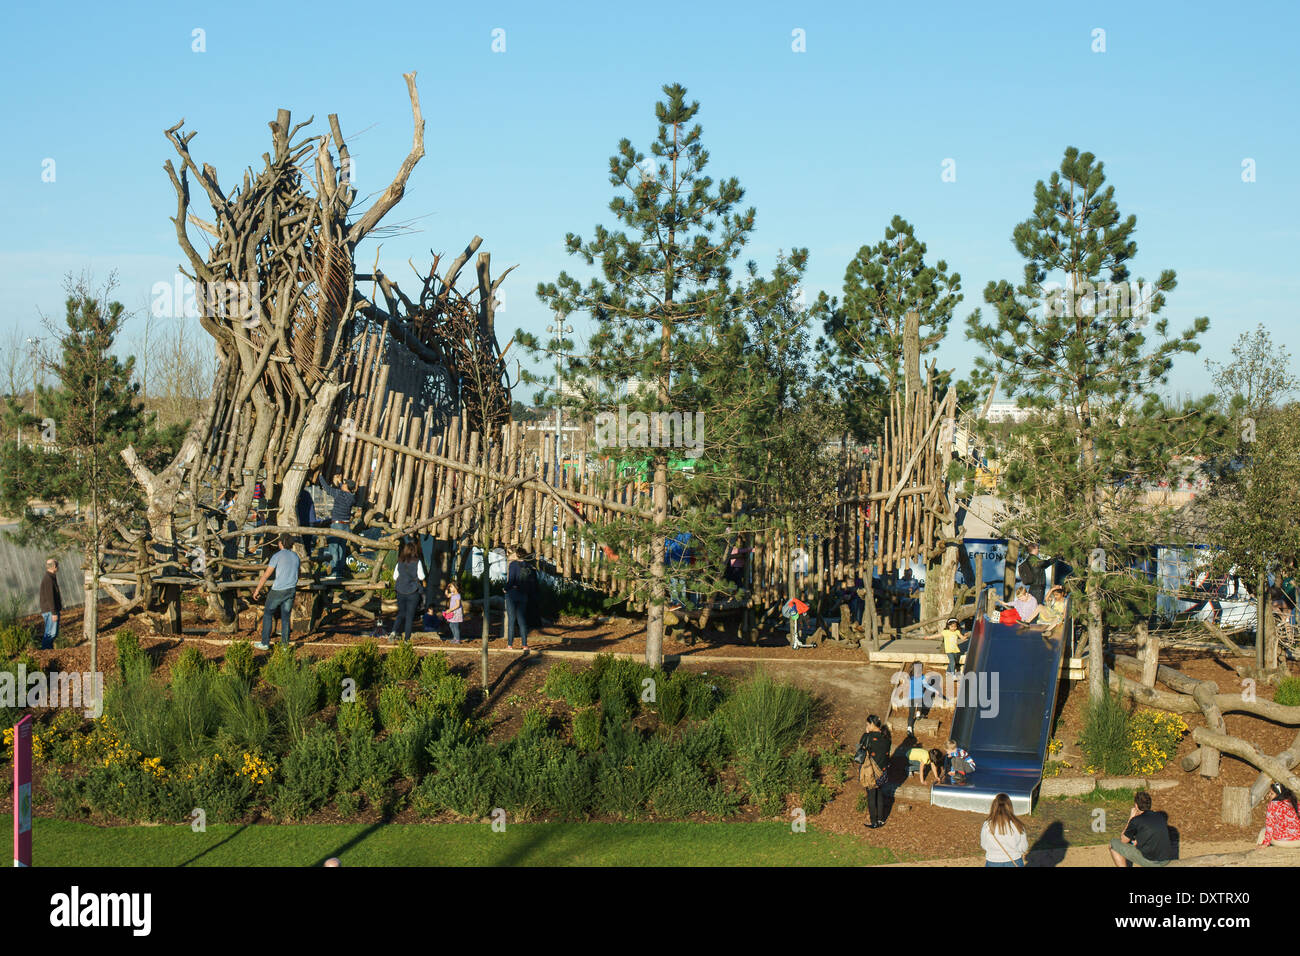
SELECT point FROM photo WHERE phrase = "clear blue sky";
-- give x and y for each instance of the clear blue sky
(829, 144)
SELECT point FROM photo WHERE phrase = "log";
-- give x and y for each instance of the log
(1204, 696)
(1236, 806)
(1150, 644)
(1247, 752)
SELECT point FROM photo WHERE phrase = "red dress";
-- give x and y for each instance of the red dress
(1280, 822)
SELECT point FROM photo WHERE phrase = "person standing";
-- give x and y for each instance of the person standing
(455, 612)
(952, 644)
(1032, 575)
(51, 603)
(307, 518)
(1145, 841)
(517, 600)
(1003, 836)
(284, 565)
(873, 754)
(408, 578)
(343, 496)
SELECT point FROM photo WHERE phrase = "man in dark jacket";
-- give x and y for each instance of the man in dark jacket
(51, 603)
(1032, 575)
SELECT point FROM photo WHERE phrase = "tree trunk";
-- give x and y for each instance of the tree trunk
(1261, 616)
(1236, 806)
(1009, 570)
(1096, 663)
(654, 625)
(1150, 644)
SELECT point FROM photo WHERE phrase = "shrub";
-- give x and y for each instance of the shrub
(579, 689)
(619, 681)
(128, 651)
(410, 745)
(347, 803)
(354, 718)
(239, 715)
(368, 766)
(1288, 692)
(190, 660)
(766, 718)
(14, 639)
(536, 723)
(586, 729)
(362, 662)
(192, 717)
(463, 779)
(1106, 738)
(836, 762)
(240, 661)
(394, 707)
(445, 699)
(705, 745)
(401, 662)
(329, 672)
(433, 669)
(278, 664)
(309, 775)
(298, 690)
(212, 785)
(1153, 740)
(814, 798)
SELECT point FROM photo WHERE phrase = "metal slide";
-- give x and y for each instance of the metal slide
(1010, 683)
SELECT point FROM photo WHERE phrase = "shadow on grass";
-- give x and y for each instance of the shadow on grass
(199, 856)
(355, 841)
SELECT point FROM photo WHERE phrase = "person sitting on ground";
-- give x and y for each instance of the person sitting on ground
(284, 565)
(924, 762)
(1003, 836)
(1281, 819)
(957, 764)
(1145, 841)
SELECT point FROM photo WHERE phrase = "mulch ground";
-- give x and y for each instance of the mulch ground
(849, 687)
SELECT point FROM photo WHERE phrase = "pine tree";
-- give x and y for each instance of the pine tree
(1069, 344)
(93, 412)
(667, 310)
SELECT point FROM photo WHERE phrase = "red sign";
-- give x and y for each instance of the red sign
(23, 792)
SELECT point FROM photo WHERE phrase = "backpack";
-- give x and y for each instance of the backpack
(1009, 616)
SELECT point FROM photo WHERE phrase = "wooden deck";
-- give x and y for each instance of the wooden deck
(906, 650)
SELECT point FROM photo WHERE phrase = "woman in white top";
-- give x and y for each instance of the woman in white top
(1003, 836)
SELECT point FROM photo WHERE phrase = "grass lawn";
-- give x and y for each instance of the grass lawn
(61, 843)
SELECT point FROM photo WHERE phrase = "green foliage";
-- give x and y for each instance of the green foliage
(240, 661)
(433, 669)
(239, 715)
(394, 707)
(297, 690)
(354, 718)
(362, 662)
(586, 729)
(14, 639)
(764, 716)
(309, 775)
(462, 779)
(1106, 737)
(1288, 692)
(191, 659)
(579, 689)
(329, 672)
(401, 662)
(129, 652)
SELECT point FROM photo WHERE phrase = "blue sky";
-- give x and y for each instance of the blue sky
(829, 143)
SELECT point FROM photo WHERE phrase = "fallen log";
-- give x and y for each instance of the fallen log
(1247, 752)
(1289, 758)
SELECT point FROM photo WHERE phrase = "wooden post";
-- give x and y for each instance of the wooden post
(1150, 644)
(1236, 806)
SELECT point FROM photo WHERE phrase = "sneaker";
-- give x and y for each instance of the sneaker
(262, 646)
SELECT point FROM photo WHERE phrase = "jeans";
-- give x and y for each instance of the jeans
(516, 605)
(51, 629)
(407, 605)
(281, 601)
(455, 631)
(952, 663)
(1007, 863)
(337, 549)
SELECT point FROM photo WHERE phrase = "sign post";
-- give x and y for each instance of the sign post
(23, 792)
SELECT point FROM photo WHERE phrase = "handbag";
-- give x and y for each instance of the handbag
(448, 615)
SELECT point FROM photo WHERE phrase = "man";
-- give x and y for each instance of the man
(1032, 575)
(307, 518)
(51, 603)
(1145, 841)
(284, 565)
(342, 497)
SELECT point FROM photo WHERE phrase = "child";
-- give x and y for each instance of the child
(923, 762)
(951, 635)
(957, 763)
(455, 613)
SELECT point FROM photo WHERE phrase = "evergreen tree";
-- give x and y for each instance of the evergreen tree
(89, 416)
(667, 309)
(864, 334)
(1069, 344)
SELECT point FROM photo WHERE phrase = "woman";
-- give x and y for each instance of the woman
(408, 575)
(1281, 819)
(873, 750)
(1003, 836)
